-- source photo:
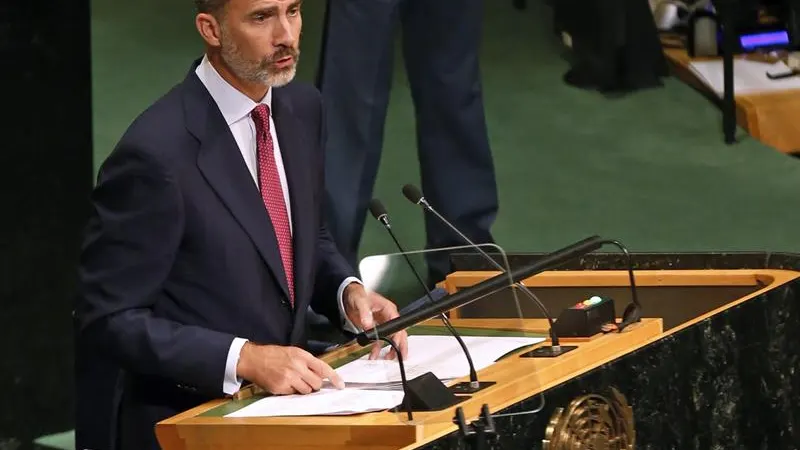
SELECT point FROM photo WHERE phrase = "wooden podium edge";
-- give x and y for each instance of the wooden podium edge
(612, 278)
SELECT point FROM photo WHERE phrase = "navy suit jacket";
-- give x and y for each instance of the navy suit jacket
(180, 257)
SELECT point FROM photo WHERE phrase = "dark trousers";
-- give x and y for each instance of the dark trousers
(440, 41)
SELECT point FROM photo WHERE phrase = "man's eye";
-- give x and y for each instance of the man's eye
(294, 11)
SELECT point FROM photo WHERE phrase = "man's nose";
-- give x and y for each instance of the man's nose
(284, 33)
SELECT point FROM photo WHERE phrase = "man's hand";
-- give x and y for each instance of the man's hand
(284, 370)
(367, 309)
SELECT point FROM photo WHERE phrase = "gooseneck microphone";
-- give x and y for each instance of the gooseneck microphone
(381, 215)
(479, 290)
(632, 313)
(414, 195)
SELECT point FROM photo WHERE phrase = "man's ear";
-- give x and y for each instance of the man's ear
(209, 29)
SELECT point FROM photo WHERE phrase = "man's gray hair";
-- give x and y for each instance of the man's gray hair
(210, 6)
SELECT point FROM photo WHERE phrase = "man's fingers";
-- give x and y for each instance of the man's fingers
(401, 340)
(335, 379)
(383, 309)
(390, 309)
(364, 310)
(304, 378)
(301, 386)
(311, 378)
(321, 369)
(376, 350)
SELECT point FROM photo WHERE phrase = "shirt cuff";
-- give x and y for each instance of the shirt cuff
(231, 383)
(346, 323)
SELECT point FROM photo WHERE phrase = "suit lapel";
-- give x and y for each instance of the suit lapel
(297, 159)
(221, 163)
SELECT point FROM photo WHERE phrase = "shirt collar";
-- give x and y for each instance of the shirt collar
(232, 103)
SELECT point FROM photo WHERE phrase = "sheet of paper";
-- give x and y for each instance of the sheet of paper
(375, 385)
(748, 76)
(323, 402)
(438, 354)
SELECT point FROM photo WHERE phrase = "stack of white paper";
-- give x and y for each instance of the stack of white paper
(375, 385)
(323, 402)
(438, 354)
(748, 76)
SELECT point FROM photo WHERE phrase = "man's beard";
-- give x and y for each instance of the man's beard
(261, 72)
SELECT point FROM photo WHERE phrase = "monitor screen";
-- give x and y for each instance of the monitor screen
(773, 38)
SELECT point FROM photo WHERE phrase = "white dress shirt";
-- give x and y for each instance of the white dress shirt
(236, 108)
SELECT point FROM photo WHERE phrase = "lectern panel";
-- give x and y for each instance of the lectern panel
(733, 361)
(674, 304)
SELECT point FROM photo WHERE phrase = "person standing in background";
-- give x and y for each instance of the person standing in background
(441, 40)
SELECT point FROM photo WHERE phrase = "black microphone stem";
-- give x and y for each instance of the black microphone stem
(468, 295)
(403, 380)
(553, 336)
(633, 312)
(473, 375)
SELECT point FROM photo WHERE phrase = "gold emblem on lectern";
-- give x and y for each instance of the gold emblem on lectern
(592, 422)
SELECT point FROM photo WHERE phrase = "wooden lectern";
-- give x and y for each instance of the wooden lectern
(694, 373)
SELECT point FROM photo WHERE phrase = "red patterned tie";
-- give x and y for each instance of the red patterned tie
(272, 192)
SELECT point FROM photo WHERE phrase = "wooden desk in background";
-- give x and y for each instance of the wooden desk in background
(769, 117)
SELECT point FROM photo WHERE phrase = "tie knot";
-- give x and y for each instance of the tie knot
(261, 116)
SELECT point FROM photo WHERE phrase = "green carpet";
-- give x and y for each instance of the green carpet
(649, 169)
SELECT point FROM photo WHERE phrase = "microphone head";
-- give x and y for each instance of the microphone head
(377, 209)
(412, 193)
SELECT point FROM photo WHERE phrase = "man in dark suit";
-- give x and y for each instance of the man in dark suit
(440, 40)
(207, 242)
